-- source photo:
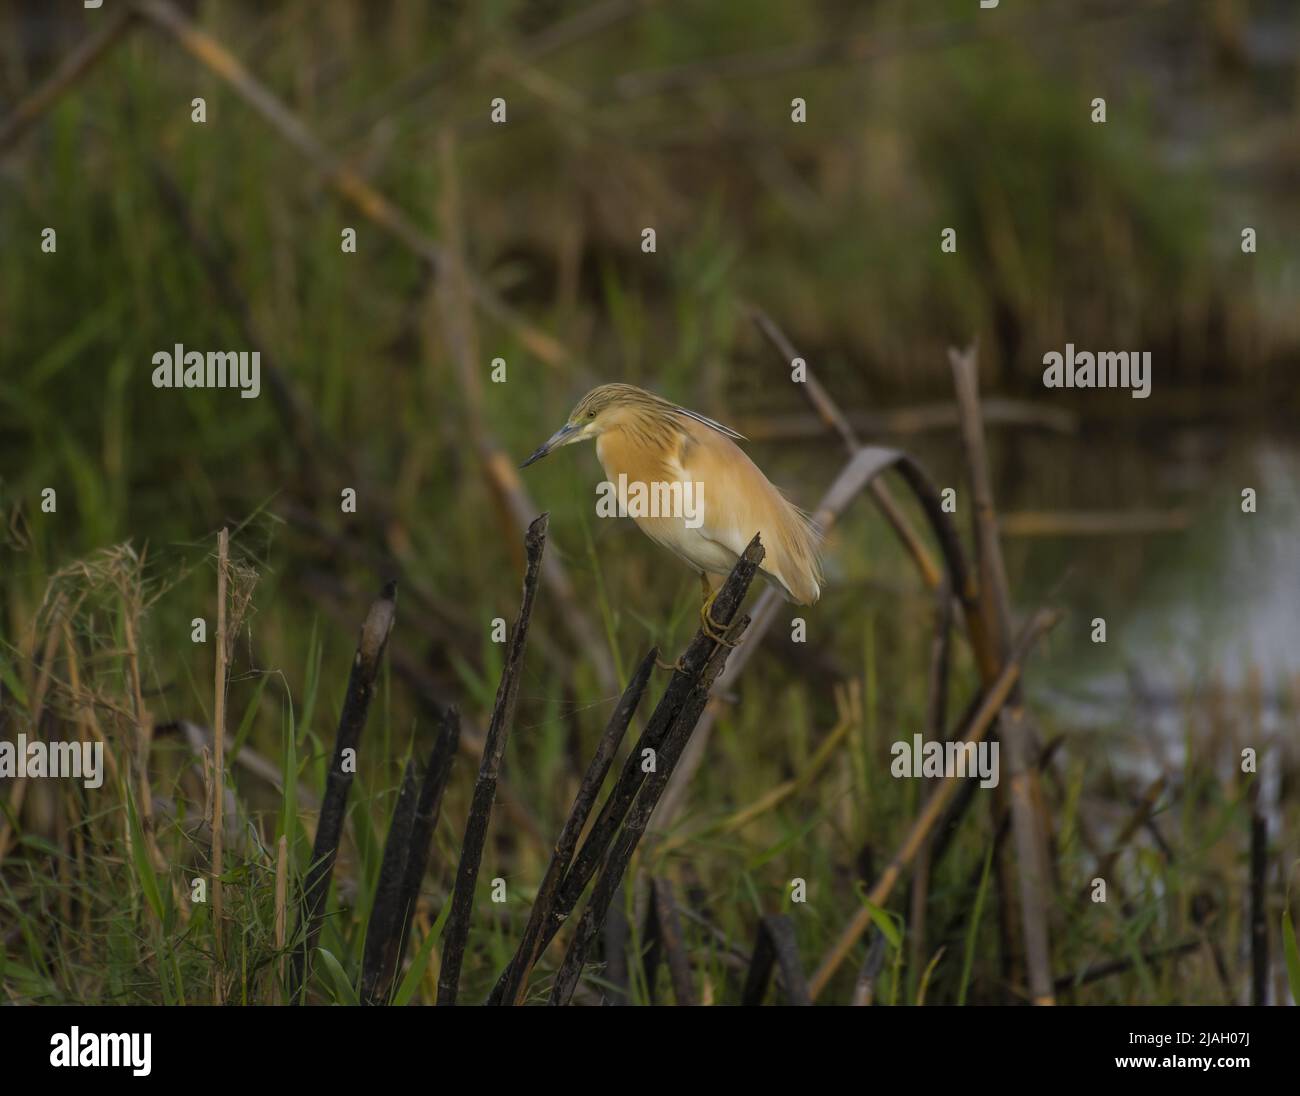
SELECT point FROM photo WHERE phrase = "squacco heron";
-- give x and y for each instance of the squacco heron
(647, 445)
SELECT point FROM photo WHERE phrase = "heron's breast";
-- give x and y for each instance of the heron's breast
(668, 503)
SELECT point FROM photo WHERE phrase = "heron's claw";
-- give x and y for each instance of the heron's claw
(710, 627)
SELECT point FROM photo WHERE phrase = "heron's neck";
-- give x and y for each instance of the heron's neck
(640, 447)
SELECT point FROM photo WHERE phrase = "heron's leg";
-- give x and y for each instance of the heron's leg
(708, 625)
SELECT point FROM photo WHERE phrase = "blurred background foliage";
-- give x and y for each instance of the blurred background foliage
(626, 114)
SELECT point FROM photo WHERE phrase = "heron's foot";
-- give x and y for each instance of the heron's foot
(710, 627)
(669, 665)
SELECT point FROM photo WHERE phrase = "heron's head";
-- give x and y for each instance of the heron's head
(601, 409)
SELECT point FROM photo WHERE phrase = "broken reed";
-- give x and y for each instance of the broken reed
(338, 782)
(406, 855)
(456, 933)
(613, 838)
(623, 819)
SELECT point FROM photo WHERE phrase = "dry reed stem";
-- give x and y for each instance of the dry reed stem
(1091, 523)
(84, 708)
(994, 697)
(921, 418)
(830, 414)
(1028, 818)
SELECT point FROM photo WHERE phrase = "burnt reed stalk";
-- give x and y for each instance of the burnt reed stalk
(614, 941)
(693, 664)
(379, 957)
(664, 940)
(485, 787)
(672, 722)
(329, 829)
(406, 855)
(1258, 905)
(514, 980)
(775, 944)
(436, 776)
(603, 831)
(634, 827)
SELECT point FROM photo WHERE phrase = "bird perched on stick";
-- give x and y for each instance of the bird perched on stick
(647, 443)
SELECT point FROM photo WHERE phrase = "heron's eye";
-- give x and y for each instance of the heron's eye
(591, 414)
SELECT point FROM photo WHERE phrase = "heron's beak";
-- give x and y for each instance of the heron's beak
(563, 436)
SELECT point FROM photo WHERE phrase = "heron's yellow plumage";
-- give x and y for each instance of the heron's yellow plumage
(735, 499)
(649, 440)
